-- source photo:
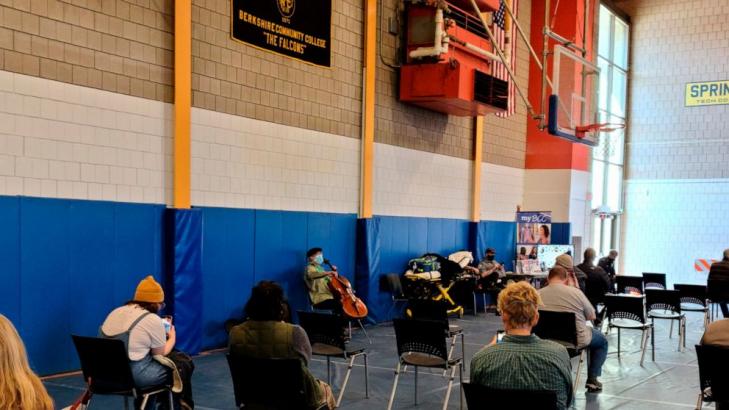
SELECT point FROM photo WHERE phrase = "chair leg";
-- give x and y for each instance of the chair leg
(680, 333)
(483, 299)
(577, 375)
(145, 398)
(450, 351)
(171, 399)
(329, 371)
(346, 380)
(361, 326)
(460, 382)
(644, 345)
(618, 343)
(670, 331)
(475, 305)
(653, 343)
(416, 385)
(394, 386)
(450, 386)
(700, 402)
(367, 377)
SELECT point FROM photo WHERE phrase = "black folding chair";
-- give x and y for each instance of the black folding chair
(390, 283)
(105, 365)
(422, 343)
(628, 284)
(627, 312)
(326, 334)
(561, 327)
(694, 299)
(272, 384)
(437, 311)
(713, 377)
(486, 398)
(666, 304)
(654, 280)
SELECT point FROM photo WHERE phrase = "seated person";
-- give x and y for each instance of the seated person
(523, 361)
(558, 296)
(20, 388)
(717, 334)
(598, 282)
(264, 334)
(317, 282)
(577, 277)
(137, 324)
(490, 272)
(608, 265)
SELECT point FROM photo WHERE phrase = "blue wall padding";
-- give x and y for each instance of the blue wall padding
(10, 258)
(66, 264)
(185, 273)
(367, 266)
(562, 233)
(498, 235)
(243, 247)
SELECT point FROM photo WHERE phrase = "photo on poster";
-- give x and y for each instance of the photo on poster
(534, 228)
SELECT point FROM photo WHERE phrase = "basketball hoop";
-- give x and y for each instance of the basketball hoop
(582, 130)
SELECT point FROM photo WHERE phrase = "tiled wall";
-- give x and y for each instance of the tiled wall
(676, 188)
(124, 46)
(502, 189)
(246, 163)
(64, 141)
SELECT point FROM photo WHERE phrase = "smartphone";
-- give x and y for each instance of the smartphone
(500, 335)
(167, 322)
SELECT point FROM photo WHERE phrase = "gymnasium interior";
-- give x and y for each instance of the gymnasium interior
(211, 144)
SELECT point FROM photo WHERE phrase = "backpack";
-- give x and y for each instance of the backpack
(424, 264)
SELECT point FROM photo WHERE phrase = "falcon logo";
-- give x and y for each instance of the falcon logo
(286, 7)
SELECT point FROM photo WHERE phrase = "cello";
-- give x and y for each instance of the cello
(341, 288)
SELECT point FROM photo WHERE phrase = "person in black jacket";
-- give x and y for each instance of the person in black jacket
(608, 265)
(597, 283)
(718, 283)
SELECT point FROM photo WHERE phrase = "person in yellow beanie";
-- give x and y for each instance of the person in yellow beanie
(138, 324)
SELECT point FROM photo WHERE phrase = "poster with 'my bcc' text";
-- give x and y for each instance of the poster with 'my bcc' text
(533, 228)
(300, 29)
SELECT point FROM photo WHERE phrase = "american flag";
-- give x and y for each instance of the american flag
(499, 70)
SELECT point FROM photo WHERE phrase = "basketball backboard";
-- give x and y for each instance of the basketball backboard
(573, 98)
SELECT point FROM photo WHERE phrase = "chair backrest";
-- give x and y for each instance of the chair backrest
(480, 397)
(693, 294)
(420, 336)
(660, 299)
(428, 309)
(654, 280)
(268, 383)
(625, 307)
(106, 363)
(712, 371)
(325, 328)
(629, 283)
(391, 284)
(557, 326)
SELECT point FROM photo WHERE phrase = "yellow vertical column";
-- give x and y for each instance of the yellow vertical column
(183, 101)
(368, 107)
(477, 160)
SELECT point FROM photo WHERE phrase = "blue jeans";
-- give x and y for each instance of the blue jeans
(148, 372)
(597, 353)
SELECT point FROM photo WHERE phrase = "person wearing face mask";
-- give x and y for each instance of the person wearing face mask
(317, 280)
(490, 272)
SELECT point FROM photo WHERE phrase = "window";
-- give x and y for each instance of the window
(608, 156)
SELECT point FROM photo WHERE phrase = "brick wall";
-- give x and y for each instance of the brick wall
(416, 128)
(115, 45)
(676, 173)
(675, 42)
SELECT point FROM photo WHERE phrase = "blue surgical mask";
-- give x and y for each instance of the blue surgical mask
(319, 259)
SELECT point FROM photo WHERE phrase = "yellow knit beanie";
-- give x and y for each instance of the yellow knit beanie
(149, 291)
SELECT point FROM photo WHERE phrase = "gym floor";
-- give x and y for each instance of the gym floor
(671, 382)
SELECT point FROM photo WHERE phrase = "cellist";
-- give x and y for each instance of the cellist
(317, 281)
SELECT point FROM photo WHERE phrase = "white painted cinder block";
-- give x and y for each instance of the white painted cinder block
(59, 140)
(502, 190)
(246, 163)
(669, 223)
(416, 183)
(562, 191)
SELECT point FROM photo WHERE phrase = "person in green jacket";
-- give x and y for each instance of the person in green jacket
(265, 334)
(317, 281)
